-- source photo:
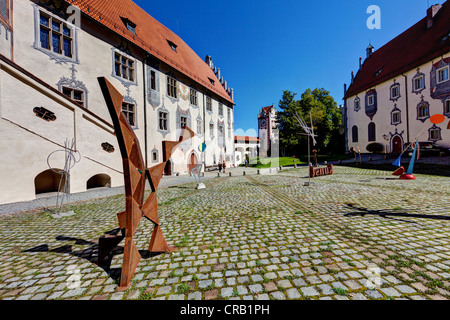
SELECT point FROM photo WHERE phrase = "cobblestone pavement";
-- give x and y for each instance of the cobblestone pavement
(357, 235)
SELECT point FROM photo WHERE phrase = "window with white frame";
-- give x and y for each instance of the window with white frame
(208, 104)
(124, 67)
(435, 134)
(163, 121)
(447, 106)
(220, 109)
(76, 95)
(129, 111)
(419, 83)
(172, 87)
(183, 121)
(442, 74)
(423, 111)
(395, 92)
(396, 117)
(55, 35)
(371, 100)
(194, 97)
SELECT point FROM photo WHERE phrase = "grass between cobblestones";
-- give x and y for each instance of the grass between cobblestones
(354, 235)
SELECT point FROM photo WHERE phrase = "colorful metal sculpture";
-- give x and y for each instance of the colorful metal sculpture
(135, 175)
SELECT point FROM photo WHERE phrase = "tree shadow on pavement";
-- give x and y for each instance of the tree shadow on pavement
(392, 214)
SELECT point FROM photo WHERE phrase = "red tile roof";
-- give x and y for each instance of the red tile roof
(409, 50)
(244, 138)
(151, 36)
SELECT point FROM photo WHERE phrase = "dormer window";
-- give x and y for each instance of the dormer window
(131, 26)
(212, 81)
(378, 72)
(172, 45)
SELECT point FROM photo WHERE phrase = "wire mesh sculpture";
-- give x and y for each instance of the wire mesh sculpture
(63, 196)
(135, 175)
(309, 131)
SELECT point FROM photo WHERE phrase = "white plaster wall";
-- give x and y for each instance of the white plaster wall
(382, 119)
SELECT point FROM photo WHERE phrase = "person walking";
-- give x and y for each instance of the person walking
(224, 166)
(220, 166)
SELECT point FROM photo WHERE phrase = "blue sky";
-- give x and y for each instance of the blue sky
(264, 47)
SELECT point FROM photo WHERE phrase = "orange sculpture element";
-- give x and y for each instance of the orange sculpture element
(437, 118)
(399, 171)
(135, 175)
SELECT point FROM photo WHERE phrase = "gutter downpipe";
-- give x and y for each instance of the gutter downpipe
(407, 108)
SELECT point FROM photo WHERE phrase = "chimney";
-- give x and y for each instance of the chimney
(360, 63)
(225, 85)
(369, 50)
(218, 73)
(345, 89)
(232, 94)
(431, 12)
(353, 76)
(209, 61)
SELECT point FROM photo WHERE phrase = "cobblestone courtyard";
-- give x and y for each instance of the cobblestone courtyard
(359, 234)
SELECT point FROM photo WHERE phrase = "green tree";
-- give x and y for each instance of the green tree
(326, 117)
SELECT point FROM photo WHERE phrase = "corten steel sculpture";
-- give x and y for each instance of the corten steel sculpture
(135, 175)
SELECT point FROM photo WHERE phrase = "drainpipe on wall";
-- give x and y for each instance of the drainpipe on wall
(407, 109)
(145, 109)
(204, 132)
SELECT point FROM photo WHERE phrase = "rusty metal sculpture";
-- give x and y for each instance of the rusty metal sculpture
(135, 175)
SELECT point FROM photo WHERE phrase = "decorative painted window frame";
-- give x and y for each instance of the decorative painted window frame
(130, 100)
(418, 76)
(372, 109)
(199, 119)
(221, 137)
(73, 83)
(58, 58)
(211, 132)
(127, 55)
(163, 109)
(434, 127)
(153, 95)
(357, 104)
(172, 99)
(395, 85)
(396, 110)
(155, 151)
(193, 89)
(439, 90)
(437, 74)
(210, 112)
(446, 112)
(423, 103)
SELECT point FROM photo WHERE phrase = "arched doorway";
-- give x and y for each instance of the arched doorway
(99, 181)
(168, 168)
(397, 144)
(49, 181)
(192, 163)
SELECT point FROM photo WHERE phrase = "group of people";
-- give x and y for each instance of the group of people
(222, 166)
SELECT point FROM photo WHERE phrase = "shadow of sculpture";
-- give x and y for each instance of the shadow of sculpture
(392, 214)
(90, 253)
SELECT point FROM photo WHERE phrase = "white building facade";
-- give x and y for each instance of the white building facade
(51, 54)
(400, 86)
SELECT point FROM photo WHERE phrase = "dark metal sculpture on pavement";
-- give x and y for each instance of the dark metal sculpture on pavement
(135, 175)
